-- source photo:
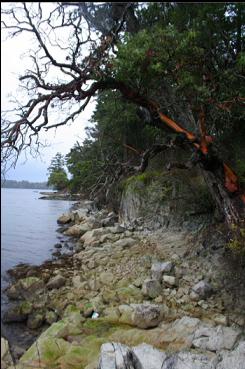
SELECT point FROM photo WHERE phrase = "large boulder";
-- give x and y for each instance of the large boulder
(118, 356)
(146, 315)
(77, 230)
(233, 359)
(25, 288)
(92, 238)
(215, 339)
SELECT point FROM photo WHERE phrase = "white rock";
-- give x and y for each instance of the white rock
(169, 280)
(234, 359)
(215, 339)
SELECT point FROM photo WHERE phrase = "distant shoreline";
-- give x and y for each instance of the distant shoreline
(8, 183)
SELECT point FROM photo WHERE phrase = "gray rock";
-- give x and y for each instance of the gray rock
(149, 357)
(158, 269)
(151, 288)
(125, 242)
(189, 360)
(118, 356)
(215, 339)
(56, 282)
(146, 315)
(234, 359)
(203, 289)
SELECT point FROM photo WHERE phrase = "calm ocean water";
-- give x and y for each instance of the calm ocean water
(28, 229)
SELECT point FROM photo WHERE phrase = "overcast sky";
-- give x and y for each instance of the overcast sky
(61, 140)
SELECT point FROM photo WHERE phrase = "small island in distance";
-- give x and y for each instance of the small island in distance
(9, 183)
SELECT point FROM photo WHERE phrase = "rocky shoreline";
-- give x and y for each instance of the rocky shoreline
(125, 296)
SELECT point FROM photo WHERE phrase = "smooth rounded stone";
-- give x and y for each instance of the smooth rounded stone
(51, 317)
(35, 321)
(203, 289)
(146, 315)
(234, 359)
(158, 269)
(64, 218)
(56, 282)
(125, 242)
(215, 338)
(169, 281)
(151, 288)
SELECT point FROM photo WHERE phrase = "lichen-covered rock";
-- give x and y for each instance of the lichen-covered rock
(51, 317)
(6, 358)
(125, 242)
(35, 320)
(151, 288)
(15, 314)
(146, 315)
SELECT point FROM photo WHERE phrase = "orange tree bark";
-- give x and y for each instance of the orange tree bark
(221, 180)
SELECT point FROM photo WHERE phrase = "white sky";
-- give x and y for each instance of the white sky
(60, 140)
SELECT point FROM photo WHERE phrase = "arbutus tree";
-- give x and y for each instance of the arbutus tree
(83, 49)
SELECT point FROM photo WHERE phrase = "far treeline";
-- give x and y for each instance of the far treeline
(9, 183)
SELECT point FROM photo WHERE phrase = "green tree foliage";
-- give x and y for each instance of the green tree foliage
(187, 56)
(57, 174)
(115, 133)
